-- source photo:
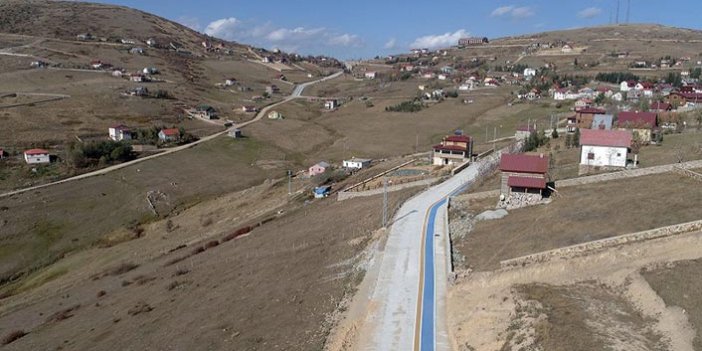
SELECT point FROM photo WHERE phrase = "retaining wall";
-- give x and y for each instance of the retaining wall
(345, 195)
(589, 247)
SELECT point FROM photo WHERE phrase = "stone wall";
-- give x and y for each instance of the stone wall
(593, 246)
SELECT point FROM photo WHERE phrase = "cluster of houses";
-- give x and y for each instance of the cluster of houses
(352, 164)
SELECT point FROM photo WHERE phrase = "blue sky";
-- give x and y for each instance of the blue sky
(364, 28)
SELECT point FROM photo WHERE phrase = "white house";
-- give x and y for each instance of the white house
(151, 42)
(560, 94)
(604, 148)
(119, 133)
(566, 49)
(37, 156)
(617, 97)
(331, 104)
(626, 86)
(356, 163)
(529, 72)
(370, 75)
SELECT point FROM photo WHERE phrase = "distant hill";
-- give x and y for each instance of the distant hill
(66, 19)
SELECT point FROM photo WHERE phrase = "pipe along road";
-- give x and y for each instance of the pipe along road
(406, 297)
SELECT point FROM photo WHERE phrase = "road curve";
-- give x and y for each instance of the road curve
(297, 92)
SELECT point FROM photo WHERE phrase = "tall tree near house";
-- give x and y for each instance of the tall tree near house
(576, 138)
(698, 119)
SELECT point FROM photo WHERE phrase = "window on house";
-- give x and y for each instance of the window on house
(591, 156)
(619, 154)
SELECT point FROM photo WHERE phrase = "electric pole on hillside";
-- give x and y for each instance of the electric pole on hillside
(289, 182)
(385, 202)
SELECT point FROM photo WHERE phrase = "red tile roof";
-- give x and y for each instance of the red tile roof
(524, 163)
(121, 127)
(648, 119)
(36, 152)
(526, 182)
(598, 137)
(458, 138)
(662, 106)
(450, 147)
(171, 131)
(592, 110)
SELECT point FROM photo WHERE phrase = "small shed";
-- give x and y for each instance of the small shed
(275, 115)
(357, 163)
(322, 191)
(235, 133)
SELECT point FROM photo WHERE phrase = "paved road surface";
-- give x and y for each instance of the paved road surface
(407, 303)
(297, 92)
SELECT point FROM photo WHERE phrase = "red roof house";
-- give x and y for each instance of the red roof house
(601, 137)
(661, 106)
(522, 173)
(169, 134)
(637, 119)
(453, 150)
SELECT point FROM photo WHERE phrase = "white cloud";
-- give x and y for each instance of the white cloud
(348, 40)
(590, 12)
(439, 40)
(225, 28)
(296, 39)
(390, 44)
(513, 12)
(502, 10)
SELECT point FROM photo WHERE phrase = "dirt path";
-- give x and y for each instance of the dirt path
(481, 305)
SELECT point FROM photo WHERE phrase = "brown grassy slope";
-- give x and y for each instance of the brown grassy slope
(65, 20)
(270, 290)
(581, 214)
(679, 285)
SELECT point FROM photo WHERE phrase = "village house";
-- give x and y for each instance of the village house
(602, 122)
(566, 49)
(583, 119)
(251, 109)
(529, 72)
(491, 82)
(138, 91)
(38, 64)
(603, 149)
(128, 41)
(117, 73)
(136, 51)
(150, 70)
(318, 168)
(582, 103)
(523, 174)
(230, 81)
(660, 107)
(453, 150)
(119, 133)
(151, 42)
(96, 64)
(137, 77)
(170, 134)
(275, 115)
(472, 41)
(682, 99)
(627, 85)
(331, 104)
(37, 156)
(560, 94)
(370, 75)
(533, 94)
(641, 124)
(2, 154)
(205, 111)
(272, 89)
(646, 88)
(85, 36)
(356, 163)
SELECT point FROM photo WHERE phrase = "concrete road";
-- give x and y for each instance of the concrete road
(297, 92)
(406, 305)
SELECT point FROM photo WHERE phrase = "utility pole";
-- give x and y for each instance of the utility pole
(289, 182)
(494, 138)
(385, 202)
(486, 134)
(416, 143)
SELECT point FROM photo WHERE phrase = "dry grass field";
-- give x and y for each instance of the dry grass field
(40, 226)
(260, 291)
(677, 284)
(578, 215)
